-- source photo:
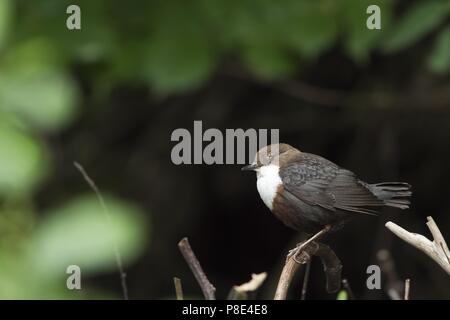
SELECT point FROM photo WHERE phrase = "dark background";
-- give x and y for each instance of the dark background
(373, 101)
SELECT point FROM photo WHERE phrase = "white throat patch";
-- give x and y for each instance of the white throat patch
(267, 183)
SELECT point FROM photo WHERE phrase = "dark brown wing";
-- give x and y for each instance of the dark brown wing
(320, 182)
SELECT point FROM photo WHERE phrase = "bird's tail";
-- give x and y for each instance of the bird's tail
(393, 194)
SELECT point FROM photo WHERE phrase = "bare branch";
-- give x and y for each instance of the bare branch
(241, 292)
(206, 286)
(117, 255)
(305, 280)
(332, 267)
(178, 288)
(436, 249)
(438, 238)
(407, 288)
(256, 281)
(287, 274)
(331, 263)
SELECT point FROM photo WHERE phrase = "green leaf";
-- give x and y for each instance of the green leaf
(177, 63)
(342, 295)
(22, 161)
(359, 40)
(5, 20)
(45, 100)
(311, 26)
(267, 61)
(34, 88)
(439, 60)
(180, 55)
(19, 281)
(79, 233)
(421, 18)
(271, 38)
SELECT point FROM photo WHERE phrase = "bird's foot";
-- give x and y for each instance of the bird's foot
(298, 253)
(294, 253)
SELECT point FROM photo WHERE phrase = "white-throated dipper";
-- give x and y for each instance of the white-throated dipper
(312, 194)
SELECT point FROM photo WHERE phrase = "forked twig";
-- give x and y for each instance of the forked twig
(331, 263)
(436, 249)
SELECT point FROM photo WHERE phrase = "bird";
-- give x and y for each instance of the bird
(312, 194)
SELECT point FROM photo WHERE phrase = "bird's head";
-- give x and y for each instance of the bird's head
(273, 154)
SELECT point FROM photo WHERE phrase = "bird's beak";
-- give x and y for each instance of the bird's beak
(250, 167)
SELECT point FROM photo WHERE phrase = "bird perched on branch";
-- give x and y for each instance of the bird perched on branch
(312, 194)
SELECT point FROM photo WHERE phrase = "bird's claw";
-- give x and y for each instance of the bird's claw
(294, 253)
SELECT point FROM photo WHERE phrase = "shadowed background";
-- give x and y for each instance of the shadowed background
(109, 96)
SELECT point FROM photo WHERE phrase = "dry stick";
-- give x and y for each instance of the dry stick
(407, 287)
(393, 286)
(331, 263)
(287, 274)
(332, 267)
(242, 291)
(178, 288)
(117, 255)
(206, 286)
(436, 249)
(305, 280)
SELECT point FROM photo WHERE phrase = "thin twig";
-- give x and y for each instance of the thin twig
(393, 284)
(407, 288)
(102, 202)
(206, 286)
(305, 280)
(178, 288)
(436, 249)
(349, 290)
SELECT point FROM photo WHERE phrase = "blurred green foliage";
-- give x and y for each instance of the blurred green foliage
(420, 19)
(34, 88)
(77, 233)
(342, 295)
(173, 46)
(34, 263)
(439, 60)
(22, 161)
(176, 45)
